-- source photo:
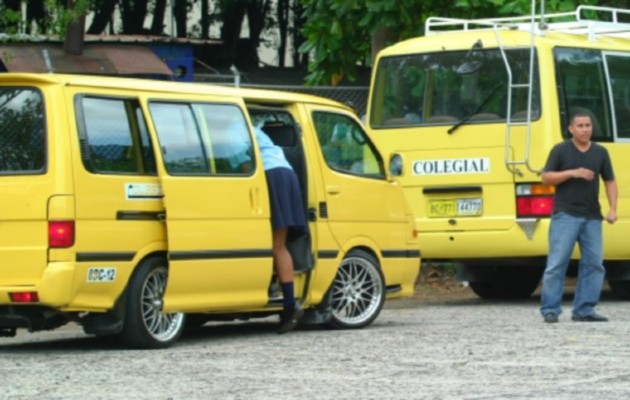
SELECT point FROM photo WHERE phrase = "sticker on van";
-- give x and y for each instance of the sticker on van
(143, 191)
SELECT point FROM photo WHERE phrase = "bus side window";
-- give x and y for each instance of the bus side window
(113, 136)
(345, 146)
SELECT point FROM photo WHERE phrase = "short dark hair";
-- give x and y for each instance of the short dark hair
(580, 112)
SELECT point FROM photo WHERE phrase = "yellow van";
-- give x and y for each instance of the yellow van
(469, 113)
(122, 209)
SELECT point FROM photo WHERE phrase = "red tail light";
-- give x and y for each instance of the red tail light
(24, 297)
(534, 200)
(60, 234)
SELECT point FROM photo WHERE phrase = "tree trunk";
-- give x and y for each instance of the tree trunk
(103, 11)
(157, 24)
(232, 14)
(299, 60)
(133, 13)
(205, 19)
(180, 18)
(380, 39)
(283, 8)
(75, 34)
(256, 13)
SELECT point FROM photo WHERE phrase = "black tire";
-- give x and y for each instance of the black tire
(145, 325)
(621, 289)
(357, 292)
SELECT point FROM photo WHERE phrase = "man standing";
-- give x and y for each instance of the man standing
(574, 167)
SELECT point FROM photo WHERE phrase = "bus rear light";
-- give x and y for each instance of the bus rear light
(534, 206)
(60, 234)
(534, 200)
(24, 297)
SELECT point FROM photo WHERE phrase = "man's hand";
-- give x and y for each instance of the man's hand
(611, 217)
(584, 173)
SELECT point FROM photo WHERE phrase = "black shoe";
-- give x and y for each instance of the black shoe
(589, 318)
(551, 318)
(289, 318)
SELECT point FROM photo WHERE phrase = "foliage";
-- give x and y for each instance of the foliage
(338, 33)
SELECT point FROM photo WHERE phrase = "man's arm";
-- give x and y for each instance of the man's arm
(611, 193)
(555, 178)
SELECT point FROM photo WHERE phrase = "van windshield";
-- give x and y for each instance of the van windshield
(446, 87)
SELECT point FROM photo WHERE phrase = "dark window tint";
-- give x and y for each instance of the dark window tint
(619, 74)
(114, 138)
(582, 87)
(22, 131)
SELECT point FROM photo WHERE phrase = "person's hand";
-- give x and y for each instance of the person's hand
(584, 173)
(611, 217)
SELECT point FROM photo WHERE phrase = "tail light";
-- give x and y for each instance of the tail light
(534, 200)
(60, 234)
(24, 297)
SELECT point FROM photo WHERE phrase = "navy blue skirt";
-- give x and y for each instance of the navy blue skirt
(285, 198)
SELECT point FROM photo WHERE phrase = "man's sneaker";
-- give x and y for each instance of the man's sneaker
(551, 318)
(589, 318)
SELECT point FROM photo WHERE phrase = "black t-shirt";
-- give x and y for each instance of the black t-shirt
(577, 196)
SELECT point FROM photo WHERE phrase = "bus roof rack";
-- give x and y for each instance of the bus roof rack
(585, 20)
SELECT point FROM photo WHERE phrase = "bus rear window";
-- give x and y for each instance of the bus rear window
(442, 88)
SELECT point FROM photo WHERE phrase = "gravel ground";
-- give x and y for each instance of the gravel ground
(443, 343)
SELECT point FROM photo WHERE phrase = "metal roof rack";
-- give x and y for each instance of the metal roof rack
(585, 20)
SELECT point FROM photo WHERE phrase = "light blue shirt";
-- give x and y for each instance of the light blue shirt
(272, 155)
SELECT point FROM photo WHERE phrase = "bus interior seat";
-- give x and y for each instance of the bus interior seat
(434, 119)
(401, 121)
(485, 117)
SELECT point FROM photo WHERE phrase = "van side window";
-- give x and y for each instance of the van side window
(22, 131)
(205, 139)
(114, 138)
(346, 147)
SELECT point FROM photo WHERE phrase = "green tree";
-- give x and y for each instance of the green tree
(341, 35)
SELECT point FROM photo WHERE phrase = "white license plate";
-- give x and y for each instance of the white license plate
(101, 274)
(455, 207)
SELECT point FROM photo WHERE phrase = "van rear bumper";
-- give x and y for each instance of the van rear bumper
(54, 289)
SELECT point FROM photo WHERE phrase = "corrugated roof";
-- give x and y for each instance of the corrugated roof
(102, 59)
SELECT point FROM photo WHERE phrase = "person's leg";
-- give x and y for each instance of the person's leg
(562, 237)
(283, 264)
(282, 261)
(591, 270)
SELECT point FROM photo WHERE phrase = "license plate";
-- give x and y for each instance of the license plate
(455, 207)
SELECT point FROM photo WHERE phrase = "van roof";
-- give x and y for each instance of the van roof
(150, 85)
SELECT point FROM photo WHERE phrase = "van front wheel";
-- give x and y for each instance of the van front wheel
(358, 291)
(145, 325)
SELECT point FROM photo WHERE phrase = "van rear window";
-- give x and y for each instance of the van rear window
(22, 131)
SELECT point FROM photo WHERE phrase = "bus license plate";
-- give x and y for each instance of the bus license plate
(455, 207)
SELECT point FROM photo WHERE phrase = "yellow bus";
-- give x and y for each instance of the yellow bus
(468, 114)
(135, 208)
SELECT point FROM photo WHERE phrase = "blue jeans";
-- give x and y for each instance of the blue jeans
(564, 231)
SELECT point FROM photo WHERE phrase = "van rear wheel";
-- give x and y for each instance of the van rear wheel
(621, 289)
(357, 292)
(145, 325)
